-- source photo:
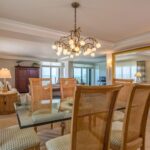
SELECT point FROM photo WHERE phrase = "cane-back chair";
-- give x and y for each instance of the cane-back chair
(125, 91)
(133, 135)
(67, 88)
(123, 96)
(41, 94)
(89, 101)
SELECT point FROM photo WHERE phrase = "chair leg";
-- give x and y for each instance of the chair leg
(51, 125)
(35, 128)
(34, 148)
(90, 122)
(62, 127)
(143, 146)
(94, 121)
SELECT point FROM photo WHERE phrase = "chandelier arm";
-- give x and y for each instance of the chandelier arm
(88, 45)
(91, 38)
(65, 44)
(64, 37)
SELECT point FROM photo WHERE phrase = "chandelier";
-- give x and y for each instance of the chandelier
(75, 45)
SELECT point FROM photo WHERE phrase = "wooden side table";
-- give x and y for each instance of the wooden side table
(7, 101)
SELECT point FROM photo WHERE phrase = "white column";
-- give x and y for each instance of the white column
(109, 68)
(68, 69)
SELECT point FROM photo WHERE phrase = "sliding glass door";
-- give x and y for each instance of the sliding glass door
(46, 72)
(82, 75)
(78, 74)
(51, 72)
(55, 74)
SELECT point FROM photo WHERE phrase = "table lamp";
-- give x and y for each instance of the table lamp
(5, 74)
(138, 75)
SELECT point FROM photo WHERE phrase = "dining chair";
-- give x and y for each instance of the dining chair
(132, 134)
(125, 92)
(14, 138)
(41, 97)
(123, 96)
(41, 94)
(67, 92)
(67, 88)
(89, 101)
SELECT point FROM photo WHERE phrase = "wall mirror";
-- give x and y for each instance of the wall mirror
(132, 64)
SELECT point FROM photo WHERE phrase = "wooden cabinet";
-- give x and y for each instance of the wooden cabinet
(22, 75)
(7, 101)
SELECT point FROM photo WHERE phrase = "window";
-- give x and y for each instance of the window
(82, 75)
(55, 75)
(118, 72)
(77, 74)
(126, 70)
(52, 70)
(133, 72)
(46, 72)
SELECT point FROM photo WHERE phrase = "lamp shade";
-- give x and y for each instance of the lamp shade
(138, 75)
(5, 73)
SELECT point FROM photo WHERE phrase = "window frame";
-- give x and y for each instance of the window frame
(88, 80)
(50, 67)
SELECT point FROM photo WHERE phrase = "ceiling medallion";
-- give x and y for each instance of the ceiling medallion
(73, 44)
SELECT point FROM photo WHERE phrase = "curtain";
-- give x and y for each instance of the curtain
(141, 68)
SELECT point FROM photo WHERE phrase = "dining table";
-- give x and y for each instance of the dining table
(61, 111)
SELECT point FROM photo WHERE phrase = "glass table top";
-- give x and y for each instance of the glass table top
(26, 118)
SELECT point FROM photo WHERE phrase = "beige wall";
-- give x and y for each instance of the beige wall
(10, 64)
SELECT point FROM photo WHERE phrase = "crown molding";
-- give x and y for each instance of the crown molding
(43, 32)
(15, 57)
(20, 27)
(133, 42)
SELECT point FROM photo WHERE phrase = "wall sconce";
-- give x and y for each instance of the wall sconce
(109, 69)
(109, 63)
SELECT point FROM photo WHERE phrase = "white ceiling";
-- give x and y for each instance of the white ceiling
(26, 40)
(111, 20)
(40, 22)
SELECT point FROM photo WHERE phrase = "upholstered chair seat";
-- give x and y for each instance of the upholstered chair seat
(60, 143)
(14, 138)
(116, 140)
(118, 116)
(116, 135)
(64, 142)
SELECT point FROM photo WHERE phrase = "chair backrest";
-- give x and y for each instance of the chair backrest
(136, 117)
(125, 91)
(67, 87)
(91, 102)
(118, 81)
(41, 93)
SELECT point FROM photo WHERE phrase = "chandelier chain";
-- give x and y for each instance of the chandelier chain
(75, 19)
